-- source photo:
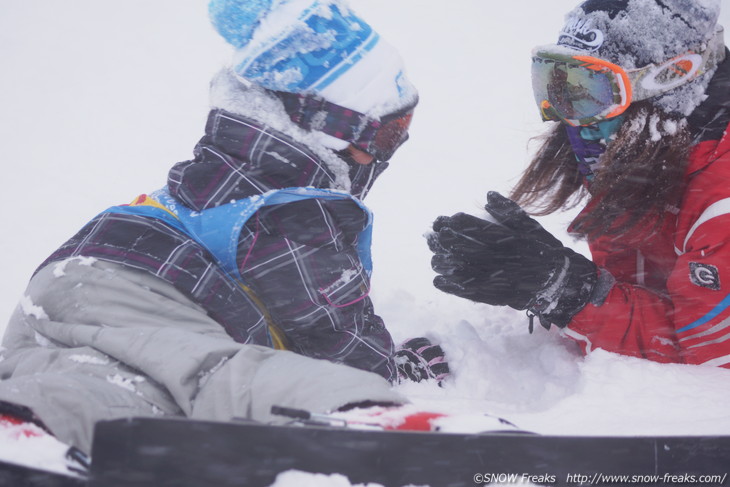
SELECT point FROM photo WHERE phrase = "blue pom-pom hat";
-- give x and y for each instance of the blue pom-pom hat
(318, 47)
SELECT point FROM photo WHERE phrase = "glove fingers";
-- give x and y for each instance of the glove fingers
(455, 241)
(432, 353)
(416, 343)
(455, 252)
(449, 245)
(509, 213)
(441, 222)
(446, 264)
(512, 216)
(409, 366)
(418, 359)
(461, 288)
(451, 287)
(468, 224)
(434, 243)
(501, 208)
(460, 221)
(466, 235)
(497, 291)
(440, 371)
(495, 243)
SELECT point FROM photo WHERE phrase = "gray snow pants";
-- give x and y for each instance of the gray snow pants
(92, 340)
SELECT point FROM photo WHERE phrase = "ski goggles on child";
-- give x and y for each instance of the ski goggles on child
(379, 137)
(582, 90)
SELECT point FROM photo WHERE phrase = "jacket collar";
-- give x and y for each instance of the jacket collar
(710, 122)
(710, 119)
(240, 157)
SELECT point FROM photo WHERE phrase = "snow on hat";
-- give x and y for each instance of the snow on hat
(636, 33)
(315, 47)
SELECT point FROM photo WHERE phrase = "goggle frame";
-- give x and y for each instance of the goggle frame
(379, 137)
(632, 85)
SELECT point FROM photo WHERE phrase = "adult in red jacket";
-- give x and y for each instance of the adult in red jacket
(641, 96)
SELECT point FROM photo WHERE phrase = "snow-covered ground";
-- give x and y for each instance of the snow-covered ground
(99, 98)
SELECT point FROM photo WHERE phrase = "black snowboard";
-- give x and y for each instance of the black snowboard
(13, 475)
(178, 452)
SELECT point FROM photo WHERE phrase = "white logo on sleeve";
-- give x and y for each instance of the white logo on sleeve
(704, 275)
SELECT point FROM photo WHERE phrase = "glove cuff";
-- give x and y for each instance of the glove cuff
(604, 284)
(568, 293)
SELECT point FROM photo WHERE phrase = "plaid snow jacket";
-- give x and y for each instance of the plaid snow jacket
(671, 301)
(300, 283)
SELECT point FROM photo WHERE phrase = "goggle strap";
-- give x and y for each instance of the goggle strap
(712, 56)
(312, 112)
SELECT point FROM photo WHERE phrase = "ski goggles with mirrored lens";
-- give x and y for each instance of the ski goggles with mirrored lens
(379, 137)
(582, 90)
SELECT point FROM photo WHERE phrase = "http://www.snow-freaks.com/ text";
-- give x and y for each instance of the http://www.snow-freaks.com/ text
(600, 479)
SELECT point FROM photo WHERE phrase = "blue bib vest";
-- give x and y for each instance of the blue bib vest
(218, 229)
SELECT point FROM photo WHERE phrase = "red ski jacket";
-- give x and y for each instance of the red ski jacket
(671, 301)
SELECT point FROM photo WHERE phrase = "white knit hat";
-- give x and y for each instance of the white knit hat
(636, 33)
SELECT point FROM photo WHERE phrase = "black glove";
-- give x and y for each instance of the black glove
(513, 262)
(418, 359)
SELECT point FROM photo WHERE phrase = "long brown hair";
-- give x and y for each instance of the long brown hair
(640, 176)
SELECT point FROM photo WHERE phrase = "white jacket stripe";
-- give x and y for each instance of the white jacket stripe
(718, 208)
(578, 337)
(715, 329)
(719, 361)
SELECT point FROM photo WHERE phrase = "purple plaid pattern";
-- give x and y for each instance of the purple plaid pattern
(150, 245)
(299, 259)
(239, 157)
